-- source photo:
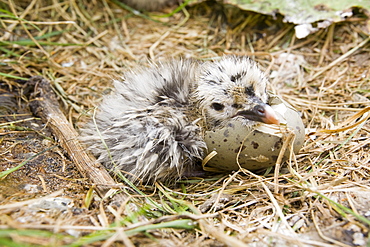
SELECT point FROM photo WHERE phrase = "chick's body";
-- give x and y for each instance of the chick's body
(151, 126)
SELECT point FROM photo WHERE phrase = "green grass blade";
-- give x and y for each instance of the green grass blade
(12, 76)
(7, 172)
(340, 207)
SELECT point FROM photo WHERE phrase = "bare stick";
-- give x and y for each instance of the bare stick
(45, 105)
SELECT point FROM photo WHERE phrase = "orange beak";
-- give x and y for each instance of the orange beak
(260, 113)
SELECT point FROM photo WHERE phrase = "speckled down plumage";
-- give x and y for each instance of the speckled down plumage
(151, 127)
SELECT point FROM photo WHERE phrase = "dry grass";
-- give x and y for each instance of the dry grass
(319, 198)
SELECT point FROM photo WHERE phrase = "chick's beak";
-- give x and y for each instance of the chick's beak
(260, 113)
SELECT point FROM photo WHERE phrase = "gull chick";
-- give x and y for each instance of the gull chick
(151, 127)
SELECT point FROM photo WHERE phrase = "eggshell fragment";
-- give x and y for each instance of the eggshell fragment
(257, 147)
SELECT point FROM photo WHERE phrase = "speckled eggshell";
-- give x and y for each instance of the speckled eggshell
(260, 146)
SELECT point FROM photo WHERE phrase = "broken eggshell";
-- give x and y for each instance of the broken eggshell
(256, 147)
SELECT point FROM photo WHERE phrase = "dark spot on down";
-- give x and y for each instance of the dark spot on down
(236, 77)
(171, 89)
(236, 106)
(250, 91)
(220, 68)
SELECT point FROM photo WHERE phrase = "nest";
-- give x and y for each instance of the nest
(319, 197)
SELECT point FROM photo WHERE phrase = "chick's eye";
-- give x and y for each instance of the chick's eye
(217, 106)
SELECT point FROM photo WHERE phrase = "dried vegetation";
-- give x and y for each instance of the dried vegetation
(318, 198)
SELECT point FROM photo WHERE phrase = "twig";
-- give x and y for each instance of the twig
(44, 104)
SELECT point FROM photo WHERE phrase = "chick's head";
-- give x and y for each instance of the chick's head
(234, 88)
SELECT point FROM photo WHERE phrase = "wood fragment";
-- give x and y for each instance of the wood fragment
(44, 104)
